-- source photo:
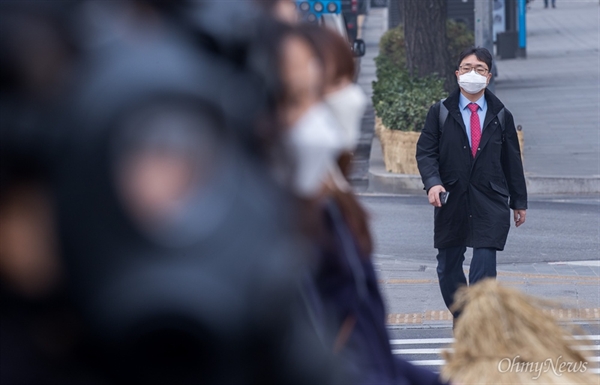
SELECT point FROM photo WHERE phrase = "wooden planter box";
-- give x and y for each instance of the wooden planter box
(399, 148)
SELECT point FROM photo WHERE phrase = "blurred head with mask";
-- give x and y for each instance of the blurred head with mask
(345, 99)
(305, 123)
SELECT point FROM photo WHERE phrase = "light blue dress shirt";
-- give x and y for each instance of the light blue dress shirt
(466, 113)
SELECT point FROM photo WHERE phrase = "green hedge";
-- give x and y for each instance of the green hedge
(401, 100)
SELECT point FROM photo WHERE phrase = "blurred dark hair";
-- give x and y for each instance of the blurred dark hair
(266, 59)
(333, 50)
(267, 5)
(480, 53)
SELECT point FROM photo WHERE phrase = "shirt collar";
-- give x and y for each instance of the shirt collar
(463, 101)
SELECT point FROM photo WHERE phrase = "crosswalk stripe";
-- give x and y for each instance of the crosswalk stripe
(419, 351)
(428, 362)
(416, 341)
(588, 347)
(422, 341)
(411, 350)
(592, 337)
(440, 350)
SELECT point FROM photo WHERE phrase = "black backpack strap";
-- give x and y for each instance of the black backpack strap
(502, 120)
(443, 116)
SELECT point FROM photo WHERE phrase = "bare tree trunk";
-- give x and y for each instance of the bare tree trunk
(425, 37)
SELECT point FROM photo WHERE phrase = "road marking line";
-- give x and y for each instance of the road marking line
(549, 276)
(578, 263)
(395, 281)
(565, 281)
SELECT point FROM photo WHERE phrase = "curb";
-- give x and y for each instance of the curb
(537, 184)
(382, 181)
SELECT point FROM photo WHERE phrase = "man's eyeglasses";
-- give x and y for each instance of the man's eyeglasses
(479, 69)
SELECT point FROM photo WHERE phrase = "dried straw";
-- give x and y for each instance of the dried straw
(504, 337)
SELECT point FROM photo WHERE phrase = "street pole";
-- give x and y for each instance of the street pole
(522, 51)
(484, 36)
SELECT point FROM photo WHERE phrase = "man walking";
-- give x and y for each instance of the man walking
(469, 149)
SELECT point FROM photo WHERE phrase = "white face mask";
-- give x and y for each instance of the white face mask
(314, 143)
(348, 106)
(472, 82)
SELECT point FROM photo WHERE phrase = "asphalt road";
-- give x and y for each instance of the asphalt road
(557, 229)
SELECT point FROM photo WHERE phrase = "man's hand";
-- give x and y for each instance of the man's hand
(434, 195)
(519, 216)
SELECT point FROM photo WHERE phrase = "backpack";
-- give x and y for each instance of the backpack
(444, 115)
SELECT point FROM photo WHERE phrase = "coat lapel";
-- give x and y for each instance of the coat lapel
(491, 123)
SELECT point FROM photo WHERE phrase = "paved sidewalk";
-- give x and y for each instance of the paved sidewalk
(371, 28)
(554, 95)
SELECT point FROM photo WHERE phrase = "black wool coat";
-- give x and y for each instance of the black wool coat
(483, 189)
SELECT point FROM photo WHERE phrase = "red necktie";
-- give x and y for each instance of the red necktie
(475, 128)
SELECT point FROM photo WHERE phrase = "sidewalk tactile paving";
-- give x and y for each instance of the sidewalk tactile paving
(560, 314)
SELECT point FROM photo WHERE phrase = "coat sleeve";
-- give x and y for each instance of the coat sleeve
(428, 149)
(512, 166)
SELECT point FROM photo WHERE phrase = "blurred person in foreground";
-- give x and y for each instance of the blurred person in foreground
(319, 110)
(345, 278)
(178, 256)
(471, 152)
(505, 337)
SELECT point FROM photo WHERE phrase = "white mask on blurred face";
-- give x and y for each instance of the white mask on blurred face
(348, 106)
(472, 82)
(314, 143)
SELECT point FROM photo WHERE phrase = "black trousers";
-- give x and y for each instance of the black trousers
(450, 270)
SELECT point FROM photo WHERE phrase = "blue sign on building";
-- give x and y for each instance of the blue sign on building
(311, 10)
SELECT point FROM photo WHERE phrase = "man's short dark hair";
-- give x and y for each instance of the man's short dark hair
(482, 54)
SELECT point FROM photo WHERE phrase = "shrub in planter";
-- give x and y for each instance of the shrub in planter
(402, 101)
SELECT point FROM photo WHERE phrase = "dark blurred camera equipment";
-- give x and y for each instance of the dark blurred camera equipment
(175, 240)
